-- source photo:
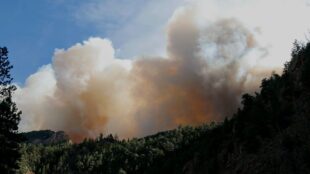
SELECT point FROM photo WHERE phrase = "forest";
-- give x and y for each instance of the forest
(270, 133)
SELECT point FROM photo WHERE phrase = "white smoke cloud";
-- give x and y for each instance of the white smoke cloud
(275, 23)
(83, 87)
(38, 90)
(214, 54)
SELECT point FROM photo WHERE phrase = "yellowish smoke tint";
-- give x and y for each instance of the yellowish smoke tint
(210, 63)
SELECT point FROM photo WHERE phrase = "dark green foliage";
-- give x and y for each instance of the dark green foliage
(9, 118)
(45, 137)
(270, 134)
(107, 154)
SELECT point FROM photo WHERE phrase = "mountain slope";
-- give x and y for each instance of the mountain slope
(270, 134)
(45, 137)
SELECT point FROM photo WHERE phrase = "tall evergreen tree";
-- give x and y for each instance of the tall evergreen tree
(9, 118)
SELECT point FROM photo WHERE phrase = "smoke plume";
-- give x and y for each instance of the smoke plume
(87, 90)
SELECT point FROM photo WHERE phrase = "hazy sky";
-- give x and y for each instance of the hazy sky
(32, 29)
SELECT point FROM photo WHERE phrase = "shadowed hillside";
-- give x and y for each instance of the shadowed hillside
(45, 137)
(269, 134)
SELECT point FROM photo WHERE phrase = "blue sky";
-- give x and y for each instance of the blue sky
(32, 29)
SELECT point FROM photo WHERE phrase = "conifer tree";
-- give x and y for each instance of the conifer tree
(9, 118)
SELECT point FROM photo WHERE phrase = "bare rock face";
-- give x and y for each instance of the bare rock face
(46, 137)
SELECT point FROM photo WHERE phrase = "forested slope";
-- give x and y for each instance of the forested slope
(270, 134)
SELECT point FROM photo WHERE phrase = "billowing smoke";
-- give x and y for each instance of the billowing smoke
(87, 90)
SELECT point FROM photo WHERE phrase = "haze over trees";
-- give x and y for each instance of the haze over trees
(269, 134)
(9, 118)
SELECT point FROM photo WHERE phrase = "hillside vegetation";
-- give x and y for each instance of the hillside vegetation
(269, 134)
(45, 137)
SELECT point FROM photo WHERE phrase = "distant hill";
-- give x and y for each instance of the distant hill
(270, 134)
(45, 137)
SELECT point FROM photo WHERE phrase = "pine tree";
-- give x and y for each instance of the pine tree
(9, 118)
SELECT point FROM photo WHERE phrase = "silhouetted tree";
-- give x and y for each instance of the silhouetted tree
(9, 118)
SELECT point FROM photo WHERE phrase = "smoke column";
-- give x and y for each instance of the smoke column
(87, 90)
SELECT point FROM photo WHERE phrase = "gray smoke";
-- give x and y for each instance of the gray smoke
(87, 91)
